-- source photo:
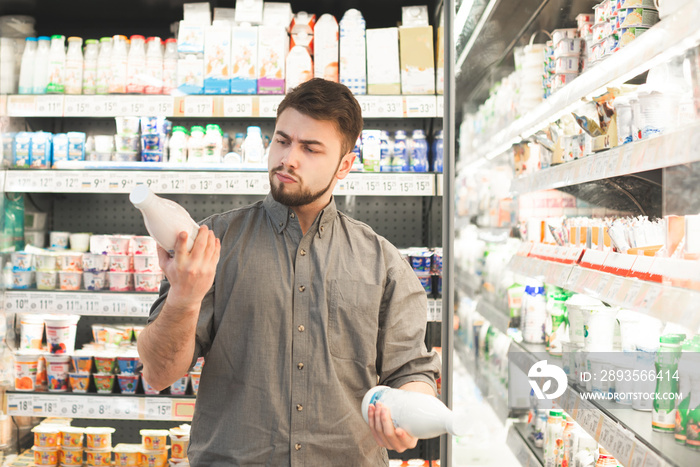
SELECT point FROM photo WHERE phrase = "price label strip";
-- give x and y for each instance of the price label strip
(45, 406)
(238, 106)
(390, 107)
(71, 407)
(267, 105)
(421, 106)
(199, 106)
(125, 408)
(94, 181)
(114, 305)
(78, 106)
(21, 106)
(139, 304)
(17, 302)
(158, 408)
(255, 183)
(171, 182)
(40, 302)
(20, 404)
(201, 182)
(67, 182)
(159, 106)
(49, 106)
(105, 106)
(69, 303)
(98, 407)
(369, 106)
(227, 183)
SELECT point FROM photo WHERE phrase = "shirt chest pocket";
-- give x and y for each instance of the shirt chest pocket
(353, 320)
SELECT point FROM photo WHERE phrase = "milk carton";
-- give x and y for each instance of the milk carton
(225, 14)
(302, 22)
(190, 75)
(244, 59)
(60, 148)
(417, 60)
(22, 149)
(353, 64)
(326, 48)
(277, 14)
(217, 58)
(440, 61)
(249, 11)
(299, 67)
(40, 156)
(273, 44)
(383, 75)
(190, 38)
(371, 150)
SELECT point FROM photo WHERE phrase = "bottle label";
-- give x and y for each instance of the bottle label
(56, 83)
(117, 81)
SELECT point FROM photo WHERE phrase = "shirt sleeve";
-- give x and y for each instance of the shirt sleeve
(401, 353)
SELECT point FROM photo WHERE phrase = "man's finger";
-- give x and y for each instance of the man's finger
(371, 416)
(200, 243)
(181, 245)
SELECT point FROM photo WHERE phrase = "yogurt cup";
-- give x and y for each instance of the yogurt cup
(22, 279)
(31, 332)
(46, 280)
(126, 143)
(147, 282)
(179, 441)
(72, 436)
(26, 369)
(79, 382)
(98, 438)
(100, 244)
(57, 369)
(575, 307)
(104, 383)
(80, 241)
(127, 364)
(95, 280)
(148, 389)
(105, 363)
(118, 244)
(128, 383)
(560, 34)
(45, 456)
(60, 333)
(157, 458)
(46, 436)
(46, 262)
(146, 263)
(154, 440)
(35, 238)
(95, 262)
(627, 35)
(120, 281)
(179, 387)
(639, 18)
(126, 156)
(98, 457)
(21, 261)
(567, 64)
(120, 263)
(145, 245)
(127, 455)
(68, 456)
(599, 329)
(195, 376)
(59, 240)
(70, 280)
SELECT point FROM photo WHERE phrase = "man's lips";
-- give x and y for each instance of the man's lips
(284, 178)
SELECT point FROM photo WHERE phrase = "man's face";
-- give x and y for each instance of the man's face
(304, 160)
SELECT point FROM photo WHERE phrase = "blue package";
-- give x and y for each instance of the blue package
(60, 148)
(421, 261)
(7, 144)
(76, 146)
(426, 282)
(151, 142)
(40, 157)
(151, 156)
(22, 149)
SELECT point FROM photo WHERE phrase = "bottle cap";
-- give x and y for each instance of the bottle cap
(105, 39)
(197, 128)
(75, 39)
(137, 37)
(673, 339)
(58, 36)
(30, 39)
(171, 40)
(119, 37)
(254, 129)
(181, 129)
(44, 38)
(555, 413)
(418, 134)
(400, 134)
(90, 41)
(212, 127)
(153, 39)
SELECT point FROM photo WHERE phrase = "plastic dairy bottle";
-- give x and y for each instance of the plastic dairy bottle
(384, 152)
(26, 73)
(419, 152)
(663, 415)
(90, 66)
(104, 64)
(164, 219)
(74, 66)
(57, 65)
(326, 48)
(195, 145)
(118, 65)
(438, 145)
(154, 66)
(170, 66)
(399, 161)
(553, 431)
(136, 65)
(178, 145)
(300, 67)
(41, 65)
(253, 148)
(213, 142)
(421, 415)
(371, 150)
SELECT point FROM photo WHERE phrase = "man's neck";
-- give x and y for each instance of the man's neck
(307, 213)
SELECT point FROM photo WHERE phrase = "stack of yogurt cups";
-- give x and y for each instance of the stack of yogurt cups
(132, 262)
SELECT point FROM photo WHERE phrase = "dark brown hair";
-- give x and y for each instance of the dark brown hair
(326, 100)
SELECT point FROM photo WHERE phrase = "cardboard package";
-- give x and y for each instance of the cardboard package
(440, 62)
(190, 75)
(273, 44)
(353, 61)
(383, 74)
(326, 48)
(217, 58)
(417, 60)
(244, 59)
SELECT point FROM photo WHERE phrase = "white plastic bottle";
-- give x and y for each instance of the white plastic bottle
(104, 66)
(90, 66)
(178, 145)
(136, 65)
(253, 147)
(213, 143)
(41, 65)
(74, 66)
(57, 65)
(195, 145)
(170, 58)
(420, 415)
(26, 73)
(164, 219)
(118, 65)
(154, 66)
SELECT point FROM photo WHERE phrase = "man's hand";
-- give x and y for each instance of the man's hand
(383, 430)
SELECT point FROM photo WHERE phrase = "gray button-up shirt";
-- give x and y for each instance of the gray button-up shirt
(294, 331)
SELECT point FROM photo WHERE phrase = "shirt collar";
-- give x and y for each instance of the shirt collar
(280, 214)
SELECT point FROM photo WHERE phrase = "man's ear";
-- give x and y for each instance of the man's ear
(345, 165)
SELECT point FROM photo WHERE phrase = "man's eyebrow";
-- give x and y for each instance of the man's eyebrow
(303, 141)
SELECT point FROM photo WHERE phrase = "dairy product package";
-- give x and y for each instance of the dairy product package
(225, 14)
(302, 22)
(76, 146)
(197, 13)
(414, 16)
(40, 156)
(371, 150)
(277, 14)
(273, 44)
(60, 148)
(353, 64)
(417, 60)
(244, 59)
(326, 48)
(440, 62)
(302, 39)
(383, 76)
(22, 149)
(299, 67)
(217, 58)
(249, 11)
(190, 38)
(190, 75)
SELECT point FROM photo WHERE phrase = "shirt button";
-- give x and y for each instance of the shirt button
(302, 252)
(292, 215)
(300, 407)
(300, 366)
(281, 224)
(297, 446)
(321, 228)
(301, 328)
(301, 288)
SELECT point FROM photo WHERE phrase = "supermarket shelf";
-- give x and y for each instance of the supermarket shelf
(468, 284)
(435, 310)
(113, 178)
(679, 147)
(522, 446)
(493, 315)
(671, 36)
(101, 406)
(201, 106)
(624, 432)
(85, 303)
(660, 301)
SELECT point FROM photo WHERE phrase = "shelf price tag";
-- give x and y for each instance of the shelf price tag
(20, 404)
(136, 105)
(98, 407)
(105, 106)
(267, 105)
(45, 406)
(440, 112)
(651, 296)
(390, 107)
(614, 289)
(49, 106)
(199, 106)
(114, 305)
(227, 183)
(158, 408)
(140, 304)
(125, 408)
(71, 407)
(78, 106)
(69, 303)
(201, 182)
(160, 106)
(238, 106)
(96, 181)
(67, 182)
(652, 460)
(622, 446)
(369, 106)
(170, 182)
(127, 181)
(421, 106)
(638, 455)
(21, 106)
(608, 430)
(17, 302)
(41, 302)
(255, 183)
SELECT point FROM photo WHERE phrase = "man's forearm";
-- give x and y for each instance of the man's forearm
(166, 346)
(418, 386)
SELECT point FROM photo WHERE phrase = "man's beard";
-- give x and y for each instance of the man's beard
(300, 198)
